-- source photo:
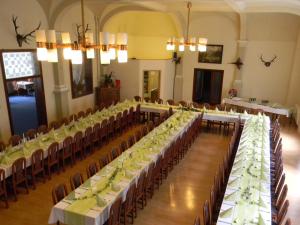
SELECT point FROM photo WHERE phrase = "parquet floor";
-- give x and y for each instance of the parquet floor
(180, 197)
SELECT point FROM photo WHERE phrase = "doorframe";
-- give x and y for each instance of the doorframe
(159, 81)
(5, 80)
(212, 70)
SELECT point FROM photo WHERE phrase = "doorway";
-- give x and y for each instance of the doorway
(207, 87)
(24, 90)
(151, 83)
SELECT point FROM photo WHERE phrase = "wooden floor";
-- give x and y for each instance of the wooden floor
(181, 196)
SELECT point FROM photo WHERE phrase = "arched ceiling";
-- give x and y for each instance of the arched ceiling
(102, 8)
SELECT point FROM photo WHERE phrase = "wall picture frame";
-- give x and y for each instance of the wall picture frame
(82, 78)
(213, 54)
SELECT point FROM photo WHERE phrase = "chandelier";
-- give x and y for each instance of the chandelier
(182, 42)
(111, 46)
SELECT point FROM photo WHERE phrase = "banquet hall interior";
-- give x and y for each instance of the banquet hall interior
(149, 112)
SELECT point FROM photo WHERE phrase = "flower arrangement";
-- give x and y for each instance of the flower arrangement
(232, 92)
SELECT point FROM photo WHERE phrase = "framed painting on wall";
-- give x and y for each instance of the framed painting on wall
(82, 78)
(213, 54)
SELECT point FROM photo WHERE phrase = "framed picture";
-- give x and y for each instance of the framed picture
(82, 78)
(213, 54)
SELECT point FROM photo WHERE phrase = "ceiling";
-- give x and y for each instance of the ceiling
(53, 7)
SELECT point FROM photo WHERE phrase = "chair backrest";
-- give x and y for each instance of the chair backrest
(2, 146)
(37, 160)
(103, 161)
(170, 102)
(54, 125)
(115, 213)
(183, 103)
(19, 169)
(76, 180)
(73, 117)
(2, 181)
(68, 145)
(95, 109)
(88, 136)
(53, 153)
(282, 197)
(65, 121)
(282, 212)
(78, 141)
(148, 179)
(89, 111)
(137, 98)
(129, 202)
(131, 141)
(14, 140)
(42, 129)
(280, 185)
(160, 101)
(114, 153)
(144, 130)
(288, 222)
(150, 126)
(30, 134)
(59, 192)
(96, 131)
(206, 105)
(80, 114)
(138, 135)
(141, 184)
(206, 213)
(103, 131)
(147, 99)
(212, 200)
(123, 146)
(197, 221)
(91, 169)
(170, 111)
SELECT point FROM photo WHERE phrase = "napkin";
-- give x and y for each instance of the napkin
(128, 174)
(261, 220)
(71, 196)
(232, 196)
(100, 201)
(234, 183)
(262, 203)
(115, 187)
(226, 213)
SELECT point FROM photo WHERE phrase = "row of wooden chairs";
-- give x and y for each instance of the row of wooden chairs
(138, 194)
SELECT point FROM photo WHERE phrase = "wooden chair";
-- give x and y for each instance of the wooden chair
(78, 145)
(149, 185)
(137, 98)
(19, 175)
(171, 111)
(88, 111)
(160, 101)
(147, 99)
(64, 121)
(80, 114)
(130, 117)
(2, 146)
(30, 134)
(14, 140)
(111, 127)
(138, 135)
(123, 146)
(124, 120)
(197, 221)
(144, 130)
(37, 166)
(140, 193)
(279, 219)
(96, 135)
(288, 222)
(117, 124)
(115, 213)
(96, 109)
(88, 140)
(73, 117)
(114, 153)
(3, 191)
(206, 214)
(131, 141)
(67, 151)
(150, 126)
(103, 161)
(183, 103)
(76, 180)
(92, 169)
(170, 102)
(138, 114)
(103, 132)
(42, 129)
(52, 158)
(128, 206)
(59, 192)
(54, 125)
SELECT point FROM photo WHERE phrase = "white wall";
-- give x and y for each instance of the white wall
(67, 22)
(27, 22)
(131, 76)
(221, 29)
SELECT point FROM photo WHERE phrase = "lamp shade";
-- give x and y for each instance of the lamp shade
(104, 38)
(52, 55)
(51, 36)
(76, 57)
(104, 57)
(42, 54)
(40, 36)
(181, 45)
(122, 39)
(89, 38)
(122, 56)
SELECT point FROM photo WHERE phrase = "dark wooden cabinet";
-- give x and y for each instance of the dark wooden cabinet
(107, 96)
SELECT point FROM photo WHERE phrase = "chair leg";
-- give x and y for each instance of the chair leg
(15, 191)
(33, 181)
(26, 186)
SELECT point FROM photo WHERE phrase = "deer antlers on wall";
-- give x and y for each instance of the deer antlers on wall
(267, 63)
(23, 37)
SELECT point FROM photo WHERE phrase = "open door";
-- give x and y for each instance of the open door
(24, 90)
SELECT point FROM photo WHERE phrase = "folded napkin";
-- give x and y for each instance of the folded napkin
(261, 220)
(234, 183)
(262, 203)
(100, 201)
(226, 213)
(71, 196)
(128, 174)
(232, 196)
(115, 187)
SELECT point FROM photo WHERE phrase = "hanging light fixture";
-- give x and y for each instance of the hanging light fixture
(109, 49)
(190, 43)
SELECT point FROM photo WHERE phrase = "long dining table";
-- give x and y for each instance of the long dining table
(90, 203)
(247, 198)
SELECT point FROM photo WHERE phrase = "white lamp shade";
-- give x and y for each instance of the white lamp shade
(104, 38)
(76, 57)
(105, 57)
(112, 53)
(40, 36)
(42, 54)
(122, 39)
(65, 37)
(181, 45)
(52, 55)
(193, 40)
(112, 39)
(90, 53)
(51, 36)
(202, 48)
(67, 53)
(122, 56)
(203, 41)
(89, 38)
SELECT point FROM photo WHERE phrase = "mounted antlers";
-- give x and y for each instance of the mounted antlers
(23, 37)
(267, 63)
(79, 33)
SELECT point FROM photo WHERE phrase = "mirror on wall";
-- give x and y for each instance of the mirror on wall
(151, 85)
